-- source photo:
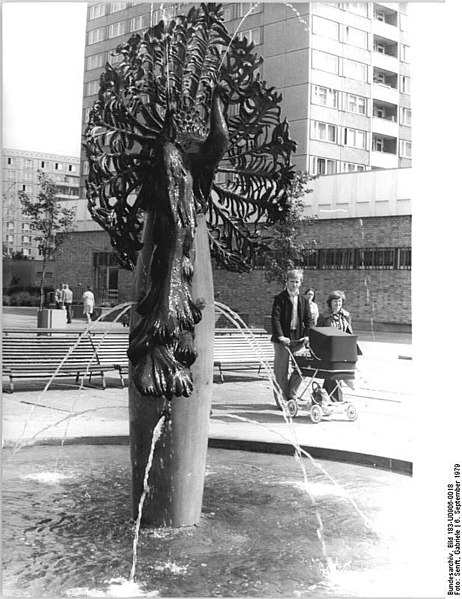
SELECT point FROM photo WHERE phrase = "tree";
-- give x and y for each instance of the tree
(49, 219)
(286, 242)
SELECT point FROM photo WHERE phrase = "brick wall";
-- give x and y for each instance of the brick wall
(383, 295)
(74, 264)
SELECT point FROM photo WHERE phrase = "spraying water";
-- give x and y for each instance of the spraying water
(155, 437)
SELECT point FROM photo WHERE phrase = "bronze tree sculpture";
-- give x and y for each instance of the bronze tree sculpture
(183, 127)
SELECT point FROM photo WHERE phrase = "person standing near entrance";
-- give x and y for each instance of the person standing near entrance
(67, 298)
(290, 319)
(88, 303)
(59, 297)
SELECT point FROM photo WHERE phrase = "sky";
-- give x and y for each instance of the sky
(43, 46)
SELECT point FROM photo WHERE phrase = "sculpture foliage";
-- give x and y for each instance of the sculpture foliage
(184, 125)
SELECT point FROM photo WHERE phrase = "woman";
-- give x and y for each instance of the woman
(339, 318)
(310, 295)
(336, 316)
(88, 303)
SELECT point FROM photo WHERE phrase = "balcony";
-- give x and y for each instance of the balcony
(386, 30)
(386, 62)
(383, 160)
(384, 151)
(385, 126)
(385, 93)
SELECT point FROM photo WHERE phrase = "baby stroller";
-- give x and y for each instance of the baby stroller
(331, 356)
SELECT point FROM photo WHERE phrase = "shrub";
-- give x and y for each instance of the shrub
(24, 298)
(6, 300)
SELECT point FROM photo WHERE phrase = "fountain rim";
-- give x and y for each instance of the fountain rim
(355, 458)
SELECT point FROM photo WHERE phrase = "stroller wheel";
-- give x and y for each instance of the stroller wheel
(316, 413)
(351, 412)
(292, 408)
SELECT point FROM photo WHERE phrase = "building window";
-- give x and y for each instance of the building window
(325, 62)
(95, 61)
(351, 167)
(325, 27)
(27, 188)
(140, 22)
(356, 104)
(403, 22)
(10, 225)
(405, 50)
(355, 37)
(44, 164)
(323, 131)
(10, 175)
(10, 161)
(323, 166)
(378, 144)
(379, 15)
(25, 239)
(252, 35)
(92, 87)
(72, 168)
(354, 70)
(406, 116)
(114, 58)
(116, 29)
(28, 163)
(28, 176)
(242, 8)
(355, 138)
(116, 6)
(24, 226)
(58, 166)
(325, 96)
(97, 10)
(405, 85)
(25, 251)
(96, 35)
(405, 149)
(227, 13)
(10, 238)
(359, 8)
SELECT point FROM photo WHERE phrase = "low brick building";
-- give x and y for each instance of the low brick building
(362, 243)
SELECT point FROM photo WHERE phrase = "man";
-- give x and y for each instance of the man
(290, 318)
(59, 297)
(67, 298)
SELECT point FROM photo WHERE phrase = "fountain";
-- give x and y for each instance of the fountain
(248, 530)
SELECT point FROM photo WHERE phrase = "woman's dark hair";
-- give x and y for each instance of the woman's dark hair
(335, 295)
(313, 290)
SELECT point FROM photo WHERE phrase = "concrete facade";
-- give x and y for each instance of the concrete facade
(20, 174)
(342, 68)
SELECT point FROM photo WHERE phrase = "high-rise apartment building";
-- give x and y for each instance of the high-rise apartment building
(343, 70)
(20, 174)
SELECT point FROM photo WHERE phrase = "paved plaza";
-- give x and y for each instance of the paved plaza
(243, 416)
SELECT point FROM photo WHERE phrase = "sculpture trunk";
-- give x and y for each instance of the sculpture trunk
(177, 475)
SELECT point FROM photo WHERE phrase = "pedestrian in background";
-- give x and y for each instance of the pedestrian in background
(336, 316)
(310, 295)
(290, 319)
(67, 298)
(88, 303)
(59, 297)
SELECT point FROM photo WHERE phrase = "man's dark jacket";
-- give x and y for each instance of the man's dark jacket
(281, 316)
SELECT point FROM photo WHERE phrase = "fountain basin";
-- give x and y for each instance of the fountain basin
(69, 532)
